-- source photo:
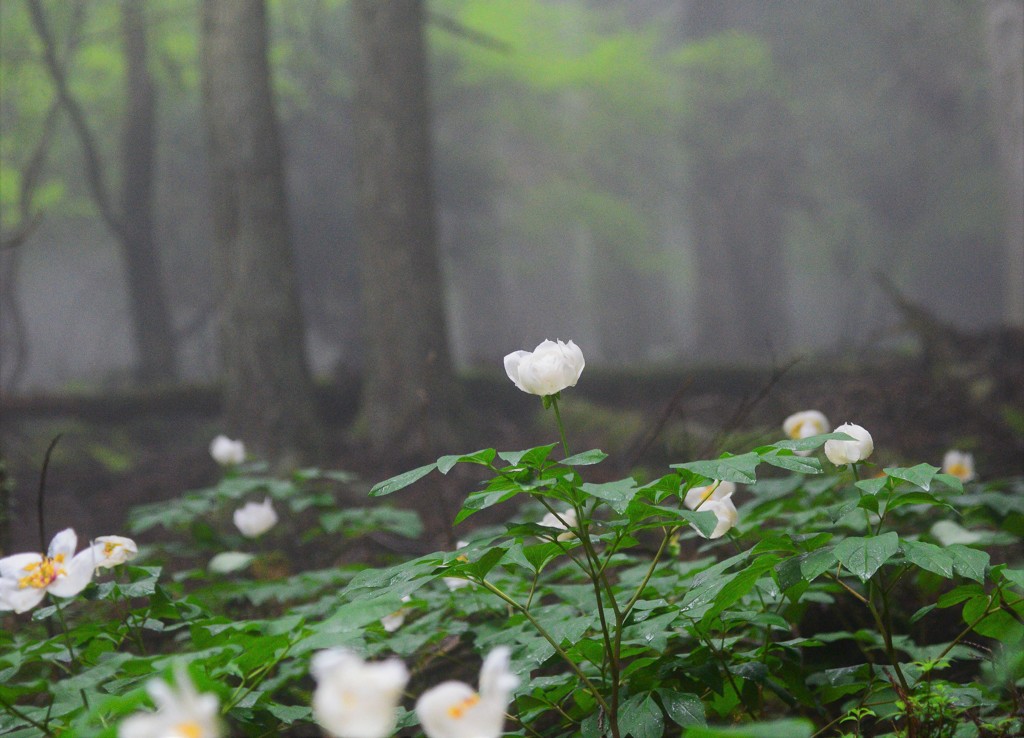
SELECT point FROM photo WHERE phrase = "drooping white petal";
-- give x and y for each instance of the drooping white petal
(19, 599)
(726, 513)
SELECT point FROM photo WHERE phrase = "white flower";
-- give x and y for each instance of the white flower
(181, 712)
(113, 551)
(960, 464)
(354, 699)
(714, 498)
(453, 710)
(254, 519)
(698, 497)
(849, 452)
(552, 521)
(395, 620)
(805, 424)
(26, 578)
(548, 369)
(726, 513)
(227, 452)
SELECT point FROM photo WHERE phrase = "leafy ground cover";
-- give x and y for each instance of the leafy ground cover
(769, 591)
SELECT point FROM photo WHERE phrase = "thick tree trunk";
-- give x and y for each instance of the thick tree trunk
(409, 394)
(268, 398)
(154, 335)
(1006, 52)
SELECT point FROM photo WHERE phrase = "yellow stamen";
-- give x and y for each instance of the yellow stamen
(958, 470)
(42, 573)
(109, 547)
(460, 709)
(189, 729)
(794, 432)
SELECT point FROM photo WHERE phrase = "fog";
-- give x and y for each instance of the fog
(664, 183)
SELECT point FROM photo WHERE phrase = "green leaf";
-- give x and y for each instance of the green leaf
(864, 556)
(740, 584)
(920, 475)
(483, 457)
(917, 498)
(968, 562)
(640, 717)
(587, 458)
(872, 486)
(401, 481)
(617, 494)
(289, 714)
(683, 708)
(790, 461)
(777, 729)
(728, 469)
(811, 442)
(929, 557)
(816, 563)
(1015, 577)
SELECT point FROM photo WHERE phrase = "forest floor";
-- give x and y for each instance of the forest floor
(116, 451)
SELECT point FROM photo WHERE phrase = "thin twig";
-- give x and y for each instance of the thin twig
(41, 496)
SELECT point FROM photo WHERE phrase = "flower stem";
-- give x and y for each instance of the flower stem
(594, 691)
(67, 643)
(561, 426)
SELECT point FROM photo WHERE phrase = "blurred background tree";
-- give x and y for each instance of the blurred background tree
(662, 182)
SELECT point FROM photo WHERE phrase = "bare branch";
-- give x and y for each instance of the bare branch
(93, 166)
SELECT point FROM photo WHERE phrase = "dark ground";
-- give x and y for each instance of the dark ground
(120, 450)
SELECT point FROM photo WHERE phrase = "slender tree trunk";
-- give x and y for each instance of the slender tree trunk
(154, 334)
(268, 391)
(151, 323)
(409, 391)
(1006, 52)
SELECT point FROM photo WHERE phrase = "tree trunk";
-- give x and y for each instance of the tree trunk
(740, 145)
(153, 333)
(268, 399)
(151, 324)
(1006, 54)
(409, 394)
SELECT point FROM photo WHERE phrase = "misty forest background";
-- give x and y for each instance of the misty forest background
(282, 199)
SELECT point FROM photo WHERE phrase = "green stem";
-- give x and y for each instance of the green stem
(67, 643)
(881, 622)
(261, 673)
(561, 427)
(547, 636)
(12, 710)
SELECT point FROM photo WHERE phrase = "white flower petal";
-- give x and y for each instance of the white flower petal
(78, 574)
(355, 699)
(254, 519)
(64, 543)
(849, 452)
(548, 369)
